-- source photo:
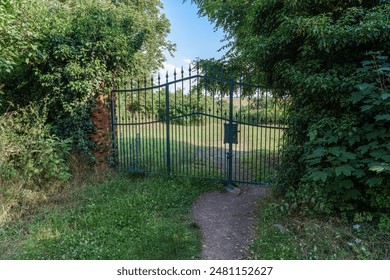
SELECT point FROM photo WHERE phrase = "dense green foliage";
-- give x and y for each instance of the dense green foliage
(56, 58)
(15, 37)
(121, 218)
(15, 33)
(33, 161)
(337, 157)
(81, 47)
(29, 153)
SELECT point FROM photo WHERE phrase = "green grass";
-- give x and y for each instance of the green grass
(283, 236)
(121, 218)
(199, 151)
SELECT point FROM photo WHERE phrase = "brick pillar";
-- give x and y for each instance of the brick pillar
(101, 120)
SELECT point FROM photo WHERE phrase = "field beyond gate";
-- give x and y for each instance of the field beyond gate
(199, 126)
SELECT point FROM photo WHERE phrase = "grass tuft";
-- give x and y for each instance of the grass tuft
(121, 218)
(283, 236)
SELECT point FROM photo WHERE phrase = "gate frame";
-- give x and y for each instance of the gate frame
(229, 182)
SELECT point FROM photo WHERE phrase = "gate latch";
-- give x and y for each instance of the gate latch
(230, 135)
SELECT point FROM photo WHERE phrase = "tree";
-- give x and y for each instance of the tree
(15, 33)
(81, 48)
(314, 50)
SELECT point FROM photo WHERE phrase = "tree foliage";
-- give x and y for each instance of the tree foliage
(337, 155)
(15, 35)
(81, 47)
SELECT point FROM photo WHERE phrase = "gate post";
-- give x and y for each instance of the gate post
(167, 122)
(229, 185)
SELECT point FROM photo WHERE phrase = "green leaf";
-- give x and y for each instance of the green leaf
(319, 152)
(385, 95)
(348, 156)
(379, 167)
(382, 117)
(335, 151)
(319, 176)
(345, 169)
(366, 108)
(356, 97)
(365, 87)
(374, 181)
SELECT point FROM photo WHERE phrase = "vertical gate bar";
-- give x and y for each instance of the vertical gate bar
(261, 138)
(174, 144)
(200, 129)
(248, 175)
(274, 141)
(279, 132)
(265, 134)
(190, 120)
(159, 132)
(254, 146)
(197, 134)
(283, 132)
(139, 127)
(213, 139)
(248, 137)
(257, 135)
(223, 149)
(241, 151)
(120, 148)
(132, 127)
(153, 130)
(206, 135)
(269, 144)
(230, 153)
(167, 122)
(183, 137)
(148, 152)
(143, 129)
(125, 128)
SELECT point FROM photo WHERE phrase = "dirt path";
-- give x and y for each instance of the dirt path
(227, 223)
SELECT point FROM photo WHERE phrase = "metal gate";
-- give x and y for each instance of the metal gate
(198, 125)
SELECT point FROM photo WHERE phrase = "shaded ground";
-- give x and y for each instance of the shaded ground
(227, 222)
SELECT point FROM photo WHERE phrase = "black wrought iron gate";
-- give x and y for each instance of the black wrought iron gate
(199, 126)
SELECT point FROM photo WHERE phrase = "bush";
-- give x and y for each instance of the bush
(346, 158)
(29, 153)
(80, 48)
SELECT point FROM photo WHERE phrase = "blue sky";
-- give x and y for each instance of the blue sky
(194, 36)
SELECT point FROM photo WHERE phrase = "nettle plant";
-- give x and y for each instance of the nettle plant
(348, 160)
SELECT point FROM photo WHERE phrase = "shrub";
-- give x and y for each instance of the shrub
(346, 158)
(28, 151)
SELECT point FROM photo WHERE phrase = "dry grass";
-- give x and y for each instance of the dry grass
(18, 199)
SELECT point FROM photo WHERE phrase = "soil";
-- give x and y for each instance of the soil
(227, 222)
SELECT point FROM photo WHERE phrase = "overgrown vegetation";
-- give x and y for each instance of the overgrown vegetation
(337, 156)
(282, 237)
(75, 52)
(120, 218)
(32, 160)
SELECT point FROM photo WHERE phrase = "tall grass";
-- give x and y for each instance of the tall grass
(285, 236)
(32, 160)
(121, 218)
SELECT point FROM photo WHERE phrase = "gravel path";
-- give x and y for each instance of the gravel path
(227, 222)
